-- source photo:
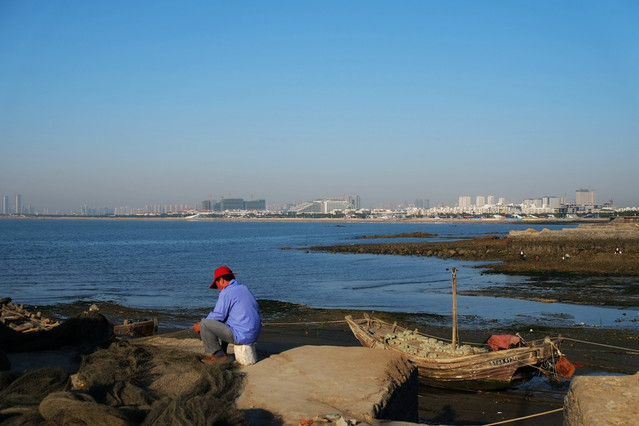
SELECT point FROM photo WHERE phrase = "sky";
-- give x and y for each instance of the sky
(154, 102)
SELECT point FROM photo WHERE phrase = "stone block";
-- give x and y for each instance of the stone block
(602, 400)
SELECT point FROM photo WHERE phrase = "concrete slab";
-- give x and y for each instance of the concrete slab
(602, 400)
(354, 382)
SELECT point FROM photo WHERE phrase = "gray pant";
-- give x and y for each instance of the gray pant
(215, 335)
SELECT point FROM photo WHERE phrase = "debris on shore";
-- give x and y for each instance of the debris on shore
(18, 319)
(23, 331)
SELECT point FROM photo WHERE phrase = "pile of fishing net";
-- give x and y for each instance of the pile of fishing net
(127, 383)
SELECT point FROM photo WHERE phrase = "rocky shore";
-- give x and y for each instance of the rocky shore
(590, 248)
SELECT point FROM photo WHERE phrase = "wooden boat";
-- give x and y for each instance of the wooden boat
(468, 367)
(143, 328)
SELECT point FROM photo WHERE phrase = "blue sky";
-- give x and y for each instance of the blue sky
(140, 102)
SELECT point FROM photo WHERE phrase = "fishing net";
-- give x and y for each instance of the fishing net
(21, 394)
(127, 383)
(76, 408)
(155, 385)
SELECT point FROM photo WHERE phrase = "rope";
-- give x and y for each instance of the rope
(630, 351)
(556, 348)
(525, 417)
(305, 323)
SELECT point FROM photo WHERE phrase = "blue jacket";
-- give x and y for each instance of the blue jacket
(236, 307)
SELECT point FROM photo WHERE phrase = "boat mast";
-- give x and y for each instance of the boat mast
(455, 336)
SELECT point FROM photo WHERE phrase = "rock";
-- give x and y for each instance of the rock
(602, 400)
(359, 383)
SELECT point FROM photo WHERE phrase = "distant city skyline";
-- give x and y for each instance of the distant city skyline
(112, 104)
(580, 196)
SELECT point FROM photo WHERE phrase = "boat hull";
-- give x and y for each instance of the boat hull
(137, 329)
(478, 369)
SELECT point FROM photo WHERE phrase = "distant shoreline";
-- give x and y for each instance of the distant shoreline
(322, 219)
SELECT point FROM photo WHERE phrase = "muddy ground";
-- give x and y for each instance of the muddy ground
(439, 406)
(286, 326)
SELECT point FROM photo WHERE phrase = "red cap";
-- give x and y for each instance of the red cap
(221, 271)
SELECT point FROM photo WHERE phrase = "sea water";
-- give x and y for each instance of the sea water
(168, 265)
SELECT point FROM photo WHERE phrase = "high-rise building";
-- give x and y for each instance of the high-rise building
(333, 204)
(490, 200)
(480, 201)
(551, 202)
(5, 204)
(354, 201)
(237, 204)
(18, 204)
(585, 197)
(255, 205)
(464, 203)
(230, 204)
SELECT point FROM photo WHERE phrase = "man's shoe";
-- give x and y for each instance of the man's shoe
(213, 358)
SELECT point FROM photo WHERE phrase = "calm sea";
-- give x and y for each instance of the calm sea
(168, 265)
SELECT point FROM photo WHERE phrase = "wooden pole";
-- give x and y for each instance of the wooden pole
(455, 308)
